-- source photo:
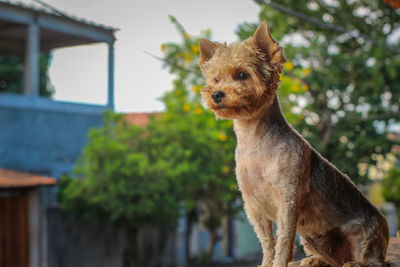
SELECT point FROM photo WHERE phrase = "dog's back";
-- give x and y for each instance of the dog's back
(337, 220)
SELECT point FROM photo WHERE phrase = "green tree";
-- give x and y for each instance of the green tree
(391, 188)
(353, 89)
(184, 156)
(126, 179)
(11, 72)
(210, 188)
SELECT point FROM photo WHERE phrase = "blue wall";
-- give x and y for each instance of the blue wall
(42, 136)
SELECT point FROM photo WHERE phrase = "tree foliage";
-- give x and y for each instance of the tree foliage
(391, 188)
(128, 179)
(210, 187)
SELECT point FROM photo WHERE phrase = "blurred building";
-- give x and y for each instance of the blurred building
(39, 137)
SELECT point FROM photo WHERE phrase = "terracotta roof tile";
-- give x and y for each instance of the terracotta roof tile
(10, 178)
(140, 119)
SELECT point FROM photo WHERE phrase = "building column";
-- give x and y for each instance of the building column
(31, 68)
(110, 102)
(34, 227)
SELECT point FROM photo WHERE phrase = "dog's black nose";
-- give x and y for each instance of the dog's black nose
(217, 96)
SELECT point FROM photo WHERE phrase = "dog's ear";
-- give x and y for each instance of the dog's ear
(263, 40)
(207, 50)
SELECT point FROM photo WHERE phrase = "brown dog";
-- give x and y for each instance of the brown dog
(281, 177)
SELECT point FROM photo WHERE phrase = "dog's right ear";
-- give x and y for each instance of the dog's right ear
(207, 50)
(263, 40)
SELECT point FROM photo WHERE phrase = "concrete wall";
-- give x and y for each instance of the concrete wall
(84, 243)
(43, 136)
(80, 243)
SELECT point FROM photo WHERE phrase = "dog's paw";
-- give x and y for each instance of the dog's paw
(370, 264)
(352, 264)
(266, 263)
(313, 261)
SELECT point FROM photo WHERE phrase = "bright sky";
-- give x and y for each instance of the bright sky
(80, 73)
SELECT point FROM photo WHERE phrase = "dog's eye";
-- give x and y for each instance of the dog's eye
(240, 75)
(216, 79)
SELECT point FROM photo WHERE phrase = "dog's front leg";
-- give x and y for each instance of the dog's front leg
(265, 233)
(286, 232)
(264, 230)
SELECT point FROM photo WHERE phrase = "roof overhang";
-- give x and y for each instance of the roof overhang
(14, 179)
(56, 29)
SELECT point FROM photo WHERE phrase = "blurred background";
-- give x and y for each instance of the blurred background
(108, 157)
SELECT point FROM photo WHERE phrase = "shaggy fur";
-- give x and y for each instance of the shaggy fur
(281, 177)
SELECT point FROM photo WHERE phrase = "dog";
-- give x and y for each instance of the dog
(281, 177)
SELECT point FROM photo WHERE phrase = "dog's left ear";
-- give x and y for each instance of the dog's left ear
(263, 40)
(207, 50)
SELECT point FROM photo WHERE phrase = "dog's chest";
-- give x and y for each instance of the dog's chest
(256, 175)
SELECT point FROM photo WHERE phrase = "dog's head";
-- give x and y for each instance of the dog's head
(241, 78)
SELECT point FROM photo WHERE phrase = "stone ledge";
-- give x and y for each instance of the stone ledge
(23, 102)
